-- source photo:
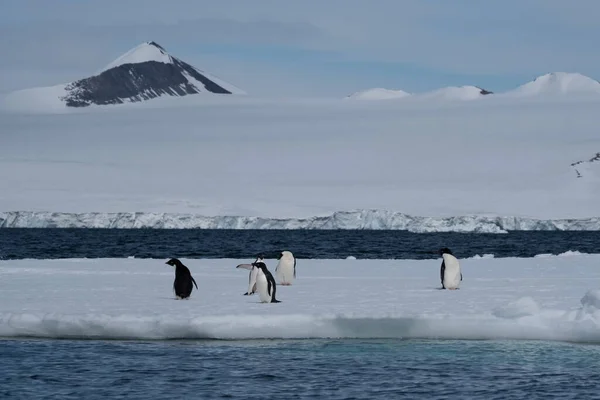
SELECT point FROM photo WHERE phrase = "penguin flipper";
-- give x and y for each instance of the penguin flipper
(194, 282)
(275, 301)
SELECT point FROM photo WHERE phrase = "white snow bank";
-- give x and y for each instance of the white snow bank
(130, 299)
(238, 155)
(378, 94)
(42, 99)
(359, 219)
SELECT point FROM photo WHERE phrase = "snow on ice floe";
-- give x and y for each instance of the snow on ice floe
(478, 257)
(132, 299)
(358, 219)
(567, 253)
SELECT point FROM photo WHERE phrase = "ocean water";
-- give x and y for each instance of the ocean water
(330, 244)
(308, 369)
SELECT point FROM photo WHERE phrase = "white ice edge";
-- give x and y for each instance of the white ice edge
(358, 219)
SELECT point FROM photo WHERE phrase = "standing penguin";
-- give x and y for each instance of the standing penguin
(183, 279)
(286, 268)
(265, 284)
(252, 275)
(450, 273)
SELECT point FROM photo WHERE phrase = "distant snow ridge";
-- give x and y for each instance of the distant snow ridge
(359, 219)
(558, 83)
(447, 93)
(458, 93)
(145, 72)
(378, 94)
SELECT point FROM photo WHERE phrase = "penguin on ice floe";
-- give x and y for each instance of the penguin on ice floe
(265, 283)
(183, 279)
(252, 275)
(286, 268)
(450, 273)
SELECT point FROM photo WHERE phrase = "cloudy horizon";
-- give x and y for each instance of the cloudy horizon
(312, 48)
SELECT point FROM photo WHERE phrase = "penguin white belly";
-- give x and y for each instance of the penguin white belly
(262, 287)
(285, 272)
(451, 272)
(252, 280)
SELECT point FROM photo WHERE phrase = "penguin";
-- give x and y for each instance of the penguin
(450, 273)
(265, 283)
(183, 279)
(252, 275)
(286, 268)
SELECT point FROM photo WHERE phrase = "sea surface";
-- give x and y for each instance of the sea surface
(218, 243)
(293, 369)
(309, 369)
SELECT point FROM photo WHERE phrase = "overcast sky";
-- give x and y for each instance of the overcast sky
(307, 47)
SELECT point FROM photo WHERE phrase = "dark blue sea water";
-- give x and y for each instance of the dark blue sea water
(327, 369)
(218, 243)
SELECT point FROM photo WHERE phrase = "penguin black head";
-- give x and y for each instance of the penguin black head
(280, 255)
(260, 264)
(260, 257)
(445, 250)
(174, 262)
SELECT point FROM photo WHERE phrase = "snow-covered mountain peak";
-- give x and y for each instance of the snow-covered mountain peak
(147, 51)
(145, 72)
(559, 83)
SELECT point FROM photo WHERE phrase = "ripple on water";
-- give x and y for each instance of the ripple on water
(333, 369)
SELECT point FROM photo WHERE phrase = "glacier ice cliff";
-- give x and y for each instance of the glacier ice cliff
(359, 219)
